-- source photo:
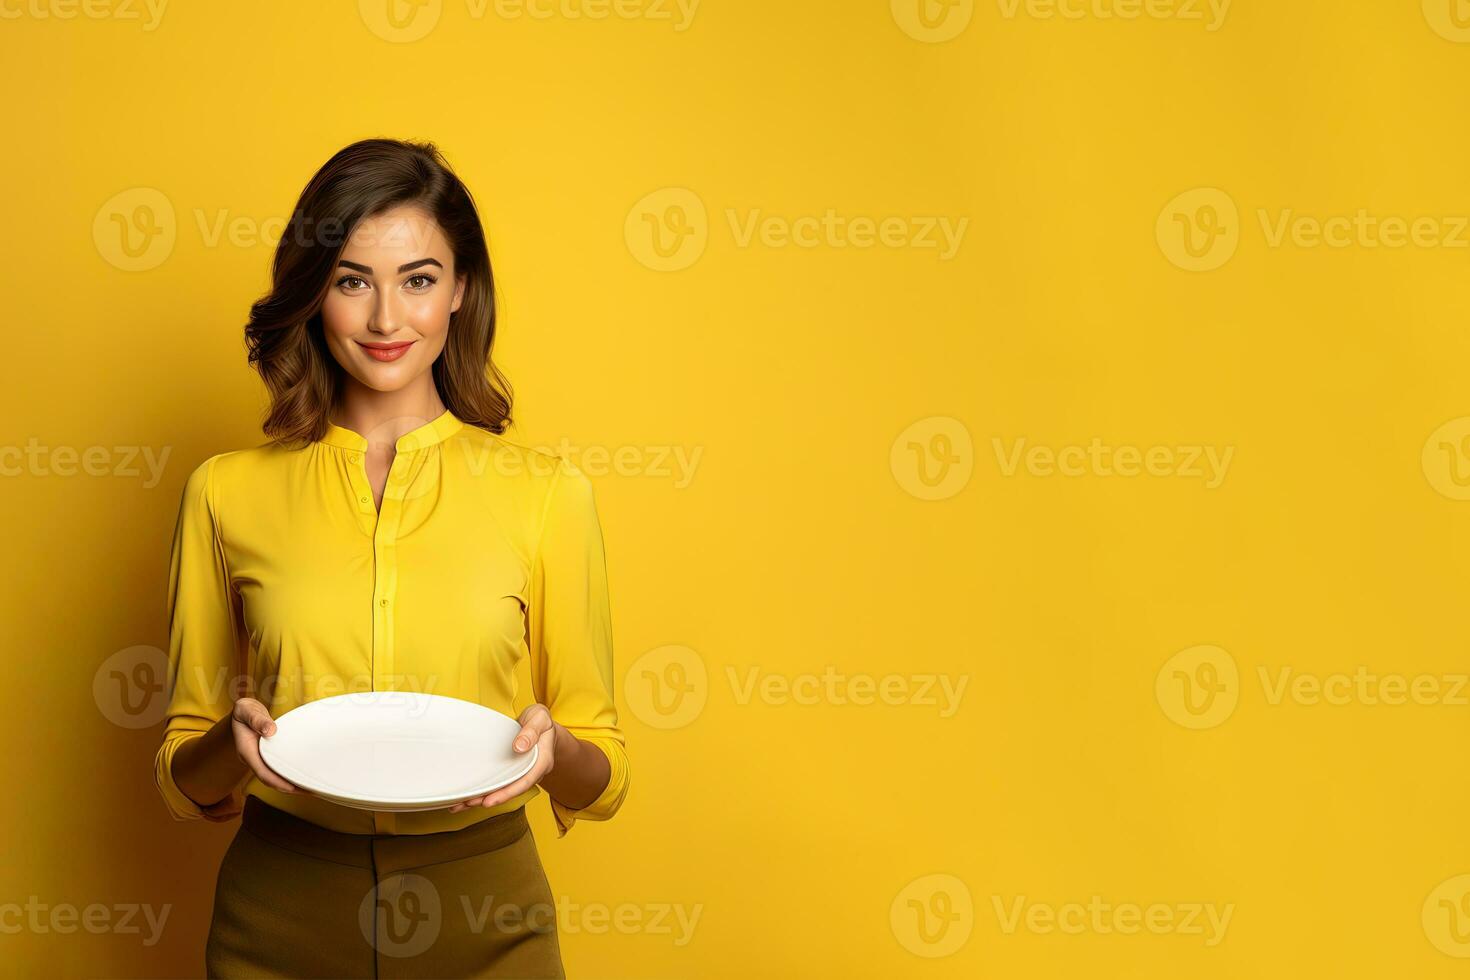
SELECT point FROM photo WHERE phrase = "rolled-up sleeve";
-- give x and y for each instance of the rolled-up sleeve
(570, 635)
(203, 644)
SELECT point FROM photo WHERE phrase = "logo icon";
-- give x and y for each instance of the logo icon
(933, 916)
(400, 21)
(135, 229)
(1446, 459)
(934, 458)
(1198, 687)
(933, 21)
(668, 229)
(401, 915)
(667, 687)
(411, 474)
(1450, 19)
(1446, 916)
(1199, 230)
(129, 687)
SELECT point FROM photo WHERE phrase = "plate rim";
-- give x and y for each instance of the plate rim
(338, 795)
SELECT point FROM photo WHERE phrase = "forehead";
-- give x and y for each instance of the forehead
(397, 235)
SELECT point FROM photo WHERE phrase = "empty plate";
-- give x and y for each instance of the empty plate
(396, 750)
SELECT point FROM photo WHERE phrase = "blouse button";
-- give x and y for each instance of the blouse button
(382, 602)
(363, 499)
(352, 457)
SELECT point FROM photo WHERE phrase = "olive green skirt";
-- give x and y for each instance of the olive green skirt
(294, 899)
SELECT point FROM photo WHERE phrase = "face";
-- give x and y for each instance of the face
(386, 315)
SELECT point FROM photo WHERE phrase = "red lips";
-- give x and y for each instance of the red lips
(386, 352)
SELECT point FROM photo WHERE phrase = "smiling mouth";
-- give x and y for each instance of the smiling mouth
(386, 352)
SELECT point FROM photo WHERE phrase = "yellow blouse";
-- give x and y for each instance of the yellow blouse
(284, 575)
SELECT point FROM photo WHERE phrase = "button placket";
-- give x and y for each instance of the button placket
(385, 575)
(361, 488)
(382, 525)
(385, 586)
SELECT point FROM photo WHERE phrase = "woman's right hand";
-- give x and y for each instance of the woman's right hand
(252, 722)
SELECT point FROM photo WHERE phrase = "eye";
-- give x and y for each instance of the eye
(346, 280)
(420, 281)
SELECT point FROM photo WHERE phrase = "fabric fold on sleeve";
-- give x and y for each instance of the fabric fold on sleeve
(570, 635)
(203, 644)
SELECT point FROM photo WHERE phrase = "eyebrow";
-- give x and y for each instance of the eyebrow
(407, 266)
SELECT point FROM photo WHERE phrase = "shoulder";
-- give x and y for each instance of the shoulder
(234, 473)
(511, 449)
(539, 477)
(536, 469)
(239, 466)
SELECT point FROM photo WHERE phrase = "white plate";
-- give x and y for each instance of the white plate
(396, 750)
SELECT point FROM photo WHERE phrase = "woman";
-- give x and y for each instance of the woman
(387, 537)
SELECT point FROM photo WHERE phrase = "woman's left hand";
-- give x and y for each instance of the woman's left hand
(537, 729)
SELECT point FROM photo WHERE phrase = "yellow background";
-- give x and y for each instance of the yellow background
(801, 831)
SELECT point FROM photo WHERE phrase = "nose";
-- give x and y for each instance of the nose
(387, 314)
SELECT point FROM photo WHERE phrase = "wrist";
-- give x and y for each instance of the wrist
(563, 743)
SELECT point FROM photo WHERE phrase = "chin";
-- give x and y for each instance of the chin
(386, 384)
(384, 377)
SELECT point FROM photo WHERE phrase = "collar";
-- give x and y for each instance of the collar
(428, 434)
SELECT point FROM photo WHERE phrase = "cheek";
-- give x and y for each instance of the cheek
(341, 318)
(430, 315)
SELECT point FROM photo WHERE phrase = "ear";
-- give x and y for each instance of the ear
(459, 282)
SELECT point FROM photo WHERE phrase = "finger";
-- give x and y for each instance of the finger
(531, 732)
(518, 787)
(525, 738)
(536, 729)
(264, 772)
(257, 717)
(538, 722)
(259, 721)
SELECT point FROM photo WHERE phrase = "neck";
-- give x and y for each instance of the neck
(383, 416)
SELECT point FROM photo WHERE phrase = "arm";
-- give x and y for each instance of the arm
(199, 768)
(217, 764)
(584, 765)
(582, 771)
(206, 770)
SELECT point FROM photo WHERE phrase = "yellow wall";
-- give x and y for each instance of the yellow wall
(1220, 248)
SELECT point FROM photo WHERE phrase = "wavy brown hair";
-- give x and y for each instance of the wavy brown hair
(284, 336)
